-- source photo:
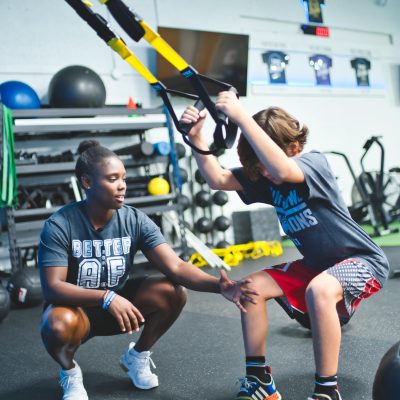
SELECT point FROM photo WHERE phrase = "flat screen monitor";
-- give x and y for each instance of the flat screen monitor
(221, 56)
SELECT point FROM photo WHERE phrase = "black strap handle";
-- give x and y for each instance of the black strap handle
(128, 19)
(184, 127)
(226, 131)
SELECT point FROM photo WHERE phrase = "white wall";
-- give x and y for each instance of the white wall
(41, 37)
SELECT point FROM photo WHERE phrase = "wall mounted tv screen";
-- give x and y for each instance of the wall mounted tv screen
(221, 56)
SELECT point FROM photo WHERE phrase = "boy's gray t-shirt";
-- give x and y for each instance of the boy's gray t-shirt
(314, 216)
(99, 258)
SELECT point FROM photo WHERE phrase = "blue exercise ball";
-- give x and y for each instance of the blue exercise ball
(17, 95)
(76, 86)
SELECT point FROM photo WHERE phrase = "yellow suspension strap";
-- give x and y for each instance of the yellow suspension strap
(226, 131)
(104, 31)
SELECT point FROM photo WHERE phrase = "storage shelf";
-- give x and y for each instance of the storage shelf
(82, 112)
(54, 168)
(151, 202)
(57, 122)
(37, 224)
(54, 129)
(24, 225)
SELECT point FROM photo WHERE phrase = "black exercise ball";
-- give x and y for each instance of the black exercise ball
(387, 378)
(203, 198)
(24, 287)
(199, 177)
(222, 223)
(204, 225)
(76, 86)
(4, 303)
(220, 198)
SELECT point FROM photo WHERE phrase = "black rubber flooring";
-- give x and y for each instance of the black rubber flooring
(202, 356)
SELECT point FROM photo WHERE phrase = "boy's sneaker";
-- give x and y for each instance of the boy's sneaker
(71, 382)
(137, 365)
(321, 396)
(252, 388)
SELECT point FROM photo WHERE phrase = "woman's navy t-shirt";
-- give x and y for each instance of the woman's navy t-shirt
(96, 259)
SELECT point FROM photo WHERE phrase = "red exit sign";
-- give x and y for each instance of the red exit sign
(322, 31)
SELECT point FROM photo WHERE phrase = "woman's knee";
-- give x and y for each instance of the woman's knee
(162, 295)
(65, 324)
(175, 296)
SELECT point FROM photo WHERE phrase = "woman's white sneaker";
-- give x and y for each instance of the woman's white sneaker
(137, 365)
(71, 382)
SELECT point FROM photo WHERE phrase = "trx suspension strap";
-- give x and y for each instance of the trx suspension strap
(225, 132)
(137, 28)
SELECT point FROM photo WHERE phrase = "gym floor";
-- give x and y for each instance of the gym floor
(202, 356)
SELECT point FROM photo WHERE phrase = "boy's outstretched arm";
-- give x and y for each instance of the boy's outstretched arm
(280, 167)
(216, 177)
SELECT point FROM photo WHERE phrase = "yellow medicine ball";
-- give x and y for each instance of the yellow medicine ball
(158, 186)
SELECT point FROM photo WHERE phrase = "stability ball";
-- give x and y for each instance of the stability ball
(76, 86)
(17, 95)
(387, 378)
(158, 186)
(24, 287)
(4, 303)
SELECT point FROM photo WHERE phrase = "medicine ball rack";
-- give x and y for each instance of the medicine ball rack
(36, 126)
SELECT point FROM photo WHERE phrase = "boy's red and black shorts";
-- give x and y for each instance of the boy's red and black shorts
(293, 278)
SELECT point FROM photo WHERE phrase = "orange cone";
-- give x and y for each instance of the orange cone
(131, 104)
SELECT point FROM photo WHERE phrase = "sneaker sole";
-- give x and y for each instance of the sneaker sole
(124, 368)
(275, 396)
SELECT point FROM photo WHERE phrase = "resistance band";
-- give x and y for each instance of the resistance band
(8, 175)
(225, 132)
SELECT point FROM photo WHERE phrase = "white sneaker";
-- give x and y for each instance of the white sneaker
(137, 365)
(71, 382)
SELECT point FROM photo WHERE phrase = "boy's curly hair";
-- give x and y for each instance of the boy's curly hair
(281, 127)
